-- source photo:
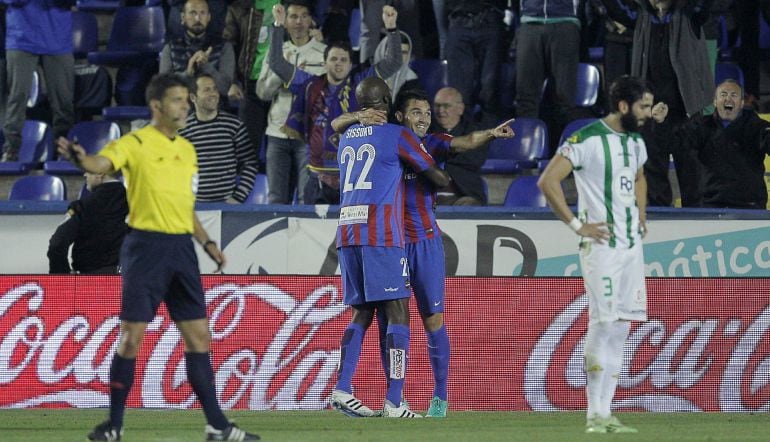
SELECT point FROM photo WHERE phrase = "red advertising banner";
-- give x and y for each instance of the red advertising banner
(517, 344)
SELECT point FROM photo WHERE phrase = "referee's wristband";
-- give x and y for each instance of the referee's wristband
(206, 244)
(575, 224)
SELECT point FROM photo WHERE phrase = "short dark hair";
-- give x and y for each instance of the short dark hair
(345, 46)
(628, 89)
(160, 83)
(194, 83)
(305, 3)
(404, 95)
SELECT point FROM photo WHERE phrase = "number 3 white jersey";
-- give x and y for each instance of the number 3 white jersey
(605, 164)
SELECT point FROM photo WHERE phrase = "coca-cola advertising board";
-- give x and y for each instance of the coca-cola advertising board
(517, 344)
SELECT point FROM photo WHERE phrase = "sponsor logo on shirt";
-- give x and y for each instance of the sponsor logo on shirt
(354, 215)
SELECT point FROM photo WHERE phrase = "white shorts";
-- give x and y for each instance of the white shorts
(614, 282)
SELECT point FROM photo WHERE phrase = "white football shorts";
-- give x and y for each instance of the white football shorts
(614, 282)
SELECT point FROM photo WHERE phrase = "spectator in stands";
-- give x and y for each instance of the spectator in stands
(670, 53)
(320, 99)
(372, 26)
(732, 144)
(175, 23)
(466, 186)
(618, 17)
(547, 45)
(38, 31)
(336, 19)
(404, 78)
(227, 162)
(199, 51)
(439, 13)
(95, 227)
(743, 14)
(246, 28)
(287, 158)
(473, 49)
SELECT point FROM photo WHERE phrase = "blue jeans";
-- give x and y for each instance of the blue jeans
(286, 166)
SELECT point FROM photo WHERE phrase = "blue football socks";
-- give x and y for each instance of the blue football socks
(350, 351)
(438, 351)
(398, 351)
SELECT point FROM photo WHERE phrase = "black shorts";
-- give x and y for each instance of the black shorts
(160, 267)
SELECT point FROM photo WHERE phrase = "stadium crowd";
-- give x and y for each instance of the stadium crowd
(528, 59)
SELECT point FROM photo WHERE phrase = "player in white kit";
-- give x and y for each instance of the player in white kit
(607, 158)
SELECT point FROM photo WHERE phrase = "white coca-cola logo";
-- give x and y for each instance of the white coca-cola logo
(251, 372)
(668, 368)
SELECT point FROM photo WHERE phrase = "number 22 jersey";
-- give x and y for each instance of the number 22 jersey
(372, 161)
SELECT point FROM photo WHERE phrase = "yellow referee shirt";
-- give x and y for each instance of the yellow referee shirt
(162, 178)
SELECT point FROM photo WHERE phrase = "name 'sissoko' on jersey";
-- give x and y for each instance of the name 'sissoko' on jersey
(357, 132)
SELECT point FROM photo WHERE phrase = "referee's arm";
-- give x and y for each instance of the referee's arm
(74, 152)
(209, 246)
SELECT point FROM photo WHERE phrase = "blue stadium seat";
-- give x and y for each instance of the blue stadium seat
(36, 142)
(588, 82)
(725, 71)
(124, 113)
(511, 155)
(92, 135)
(98, 5)
(573, 127)
(137, 35)
(85, 34)
(258, 193)
(523, 192)
(38, 188)
(354, 31)
(587, 87)
(433, 74)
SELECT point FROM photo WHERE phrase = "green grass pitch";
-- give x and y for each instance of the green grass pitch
(319, 426)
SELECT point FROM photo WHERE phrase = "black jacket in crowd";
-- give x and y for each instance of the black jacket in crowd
(96, 225)
(465, 168)
(732, 156)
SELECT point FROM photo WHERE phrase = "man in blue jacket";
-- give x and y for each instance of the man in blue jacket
(38, 31)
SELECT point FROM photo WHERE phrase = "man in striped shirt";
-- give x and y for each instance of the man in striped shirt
(423, 244)
(222, 143)
(370, 243)
(607, 158)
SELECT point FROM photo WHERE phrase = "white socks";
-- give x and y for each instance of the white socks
(603, 361)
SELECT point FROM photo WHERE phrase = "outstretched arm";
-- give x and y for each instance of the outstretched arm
(476, 139)
(393, 60)
(74, 152)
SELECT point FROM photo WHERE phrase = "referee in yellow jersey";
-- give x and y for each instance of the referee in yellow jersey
(158, 257)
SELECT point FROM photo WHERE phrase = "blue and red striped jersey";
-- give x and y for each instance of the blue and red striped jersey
(372, 161)
(419, 217)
